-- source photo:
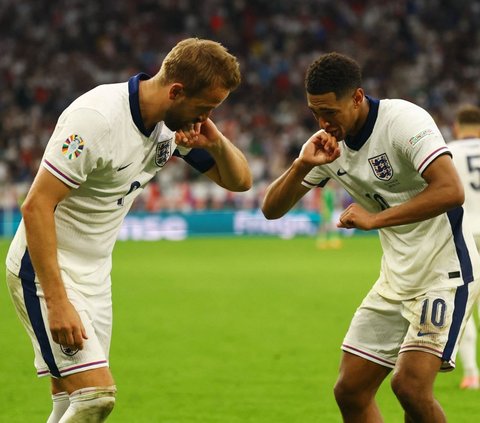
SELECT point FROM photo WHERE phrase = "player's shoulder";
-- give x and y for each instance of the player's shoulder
(397, 106)
(107, 100)
(405, 117)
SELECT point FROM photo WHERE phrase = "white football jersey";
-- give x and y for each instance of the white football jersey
(102, 150)
(381, 167)
(466, 156)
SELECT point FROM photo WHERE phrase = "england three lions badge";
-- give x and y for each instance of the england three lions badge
(162, 154)
(381, 167)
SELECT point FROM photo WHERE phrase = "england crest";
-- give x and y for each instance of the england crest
(69, 351)
(162, 154)
(381, 167)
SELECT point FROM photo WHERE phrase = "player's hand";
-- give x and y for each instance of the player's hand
(66, 326)
(355, 216)
(199, 135)
(321, 148)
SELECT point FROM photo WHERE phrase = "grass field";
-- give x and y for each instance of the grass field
(224, 331)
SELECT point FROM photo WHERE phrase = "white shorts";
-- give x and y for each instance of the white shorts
(52, 359)
(382, 328)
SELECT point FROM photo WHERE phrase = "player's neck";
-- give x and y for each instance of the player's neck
(362, 116)
(468, 133)
(151, 105)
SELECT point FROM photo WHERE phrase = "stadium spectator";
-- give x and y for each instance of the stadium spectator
(107, 145)
(391, 157)
(53, 51)
(466, 156)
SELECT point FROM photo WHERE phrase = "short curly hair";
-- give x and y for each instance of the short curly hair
(333, 72)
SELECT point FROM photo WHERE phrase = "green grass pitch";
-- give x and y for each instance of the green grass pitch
(236, 330)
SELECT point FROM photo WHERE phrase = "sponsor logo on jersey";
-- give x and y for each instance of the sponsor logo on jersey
(69, 351)
(162, 153)
(381, 167)
(414, 140)
(73, 146)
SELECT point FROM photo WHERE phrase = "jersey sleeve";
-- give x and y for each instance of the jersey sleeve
(196, 157)
(317, 177)
(417, 137)
(76, 146)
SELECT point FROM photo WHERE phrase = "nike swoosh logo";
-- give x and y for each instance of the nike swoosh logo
(341, 172)
(420, 333)
(123, 167)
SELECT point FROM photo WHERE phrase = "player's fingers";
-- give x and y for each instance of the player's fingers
(84, 332)
(55, 337)
(193, 135)
(180, 138)
(76, 339)
(197, 126)
(68, 339)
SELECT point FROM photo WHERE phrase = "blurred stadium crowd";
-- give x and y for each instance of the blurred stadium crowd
(425, 51)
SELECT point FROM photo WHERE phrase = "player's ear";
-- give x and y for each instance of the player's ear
(358, 96)
(176, 90)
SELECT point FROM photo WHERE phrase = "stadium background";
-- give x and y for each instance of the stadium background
(426, 51)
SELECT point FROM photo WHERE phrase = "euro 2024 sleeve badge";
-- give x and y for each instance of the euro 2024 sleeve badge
(73, 146)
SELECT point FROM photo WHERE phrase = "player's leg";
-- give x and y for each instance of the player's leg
(356, 387)
(437, 319)
(73, 370)
(92, 392)
(468, 355)
(370, 348)
(91, 395)
(412, 382)
(61, 401)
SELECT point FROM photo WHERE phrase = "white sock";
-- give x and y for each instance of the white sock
(61, 402)
(90, 405)
(468, 349)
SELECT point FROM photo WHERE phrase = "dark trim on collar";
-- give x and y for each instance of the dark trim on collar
(357, 142)
(134, 100)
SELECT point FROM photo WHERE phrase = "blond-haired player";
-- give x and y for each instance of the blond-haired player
(105, 148)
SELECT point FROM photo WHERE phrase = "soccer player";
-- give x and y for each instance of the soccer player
(466, 156)
(391, 158)
(105, 148)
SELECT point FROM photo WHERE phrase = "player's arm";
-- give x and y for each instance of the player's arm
(283, 193)
(38, 215)
(231, 170)
(443, 192)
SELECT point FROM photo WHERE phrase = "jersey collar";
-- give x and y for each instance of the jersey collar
(356, 142)
(134, 100)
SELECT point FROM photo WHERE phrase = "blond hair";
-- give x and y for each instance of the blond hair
(200, 64)
(468, 115)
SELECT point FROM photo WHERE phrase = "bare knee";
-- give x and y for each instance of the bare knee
(348, 395)
(407, 391)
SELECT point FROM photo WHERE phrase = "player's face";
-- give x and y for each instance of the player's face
(188, 110)
(338, 117)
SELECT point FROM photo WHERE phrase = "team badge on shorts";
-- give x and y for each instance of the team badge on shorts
(381, 167)
(69, 351)
(162, 154)
(73, 146)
